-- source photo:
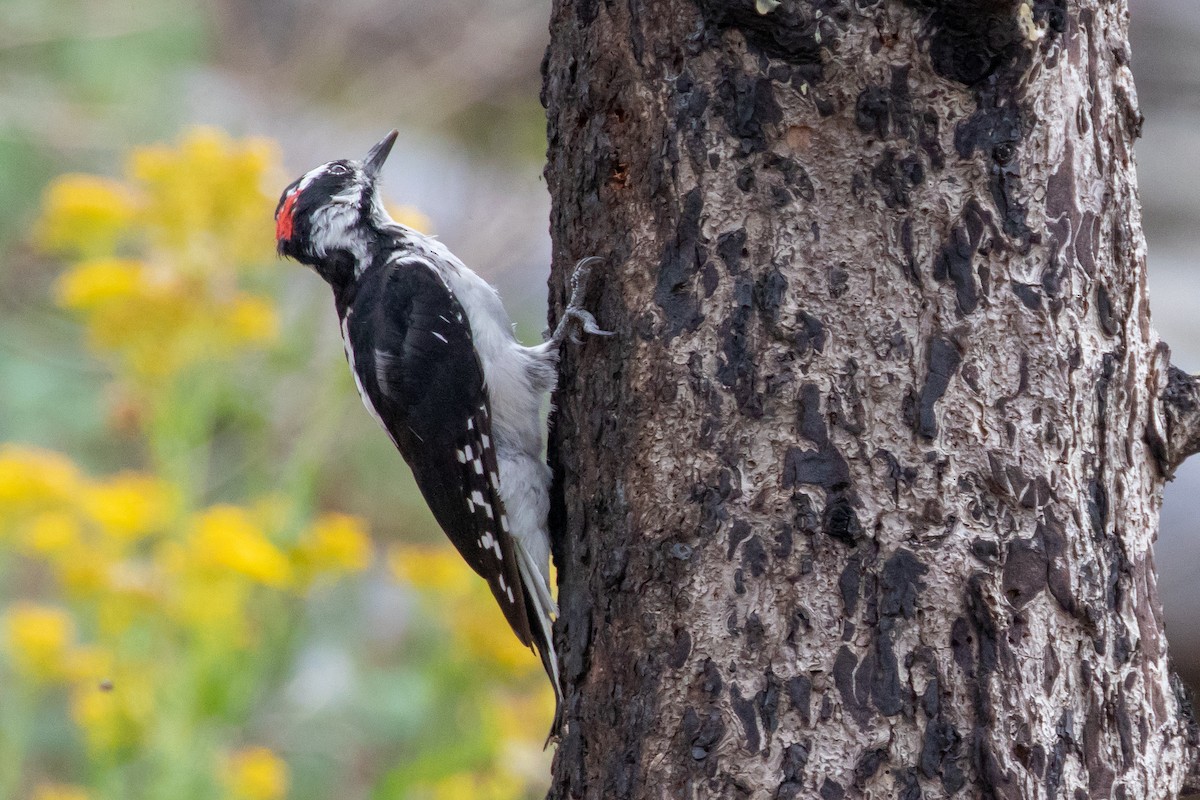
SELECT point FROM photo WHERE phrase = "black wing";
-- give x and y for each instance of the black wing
(417, 367)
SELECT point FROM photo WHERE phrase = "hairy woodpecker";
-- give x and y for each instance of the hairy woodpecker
(437, 365)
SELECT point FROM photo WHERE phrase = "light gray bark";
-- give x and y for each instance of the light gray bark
(859, 502)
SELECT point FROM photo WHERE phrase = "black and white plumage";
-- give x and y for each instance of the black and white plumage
(435, 361)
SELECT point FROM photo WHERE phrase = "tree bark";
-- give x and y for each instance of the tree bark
(859, 501)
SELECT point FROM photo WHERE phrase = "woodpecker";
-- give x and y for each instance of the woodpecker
(436, 363)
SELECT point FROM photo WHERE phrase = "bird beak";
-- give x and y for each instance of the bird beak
(379, 153)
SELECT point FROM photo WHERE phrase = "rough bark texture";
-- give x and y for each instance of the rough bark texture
(859, 501)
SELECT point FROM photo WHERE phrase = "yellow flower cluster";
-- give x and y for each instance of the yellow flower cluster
(38, 639)
(256, 773)
(131, 560)
(160, 257)
(480, 631)
(520, 702)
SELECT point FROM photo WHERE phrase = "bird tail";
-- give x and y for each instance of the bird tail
(542, 610)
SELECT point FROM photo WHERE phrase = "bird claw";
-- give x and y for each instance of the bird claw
(575, 310)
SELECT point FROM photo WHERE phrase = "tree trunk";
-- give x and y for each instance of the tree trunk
(859, 501)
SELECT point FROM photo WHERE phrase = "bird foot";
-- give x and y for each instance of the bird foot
(575, 316)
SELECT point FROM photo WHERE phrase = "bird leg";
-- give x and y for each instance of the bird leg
(575, 314)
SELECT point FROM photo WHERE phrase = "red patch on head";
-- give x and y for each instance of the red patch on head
(283, 220)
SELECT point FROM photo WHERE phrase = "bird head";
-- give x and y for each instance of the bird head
(332, 212)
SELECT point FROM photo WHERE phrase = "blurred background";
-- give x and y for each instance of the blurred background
(217, 579)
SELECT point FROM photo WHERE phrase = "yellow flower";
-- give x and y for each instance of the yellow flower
(439, 569)
(31, 478)
(485, 636)
(60, 791)
(84, 215)
(206, 199)
(51, 534)
(495, 785)
(84, 576)
(226, 538)
(196, 215)
(252, 320)
(463, 598)
(215, 605)
(38, 639)
(130, 505)
(335, 543)
(100, 281)
(256, 773)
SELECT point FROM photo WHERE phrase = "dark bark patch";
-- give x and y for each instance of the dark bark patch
(955, 259)
(907, 785)
(1028, 295)
(885, 681)
(844, 666)
(808, 415)
(811, 335)
(787, 33)
(681, 650)
(680, 263)
(1058, 576)
(832, 790)
(1096, 751)
(849, 582)
(754, 557)
(756, 632)
(943, 361)
(731, 247)
(840, 520)
(940, 753)
(784, 543)
(825, 468)
(901, 583)
(795, 759)
(839, 280)
(972, 39)
(795, 177)
(767, 702)
(871, 112)
(885, 111)
(738, 533)
(1104, 309)
(894, 177)
(769, 293)
(701, 734)
(738, 370)
(799, 691)
(743, 708)
(1025, 571)
(690, 101)
(868, 765)
(996, 131)
(997, 782)
(710, 679)
(1056, 759)
(748, 104)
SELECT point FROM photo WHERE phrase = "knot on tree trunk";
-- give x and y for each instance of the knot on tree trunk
(1177, 432)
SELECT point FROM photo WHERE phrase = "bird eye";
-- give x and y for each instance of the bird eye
(338, 169)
